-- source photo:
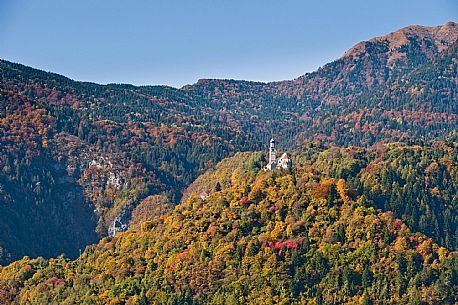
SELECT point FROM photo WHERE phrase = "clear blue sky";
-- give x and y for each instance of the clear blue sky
(176, 42)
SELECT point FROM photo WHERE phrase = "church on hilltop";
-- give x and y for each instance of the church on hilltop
(284, 162)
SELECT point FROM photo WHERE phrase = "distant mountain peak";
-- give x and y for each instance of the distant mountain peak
(441, 37)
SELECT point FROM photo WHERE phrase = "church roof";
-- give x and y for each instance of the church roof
(284, 156)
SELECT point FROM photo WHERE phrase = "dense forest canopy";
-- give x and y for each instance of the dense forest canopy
(374, 138)
(313, 235)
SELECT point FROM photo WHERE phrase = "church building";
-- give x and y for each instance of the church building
(284, 162)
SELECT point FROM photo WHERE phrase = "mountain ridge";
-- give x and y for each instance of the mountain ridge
(444, 35)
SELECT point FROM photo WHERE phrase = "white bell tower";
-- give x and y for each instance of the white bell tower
(272, 158)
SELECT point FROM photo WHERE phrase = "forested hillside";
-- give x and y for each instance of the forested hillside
(91, 155)
(105, 159)
(313, 235)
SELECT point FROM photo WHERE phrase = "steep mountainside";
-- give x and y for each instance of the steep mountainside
(103, 149)
(421, 105)
(335, 104)
(55, 132)
(42, 209)
(262, 238)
